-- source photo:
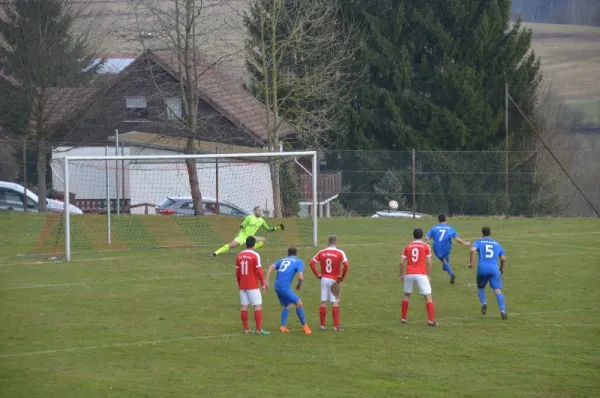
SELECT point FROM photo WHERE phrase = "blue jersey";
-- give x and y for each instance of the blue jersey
(442, 235)
(489, 251)
(286, 271)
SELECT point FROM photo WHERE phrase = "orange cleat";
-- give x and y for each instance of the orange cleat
(283, 329)
(307, 329)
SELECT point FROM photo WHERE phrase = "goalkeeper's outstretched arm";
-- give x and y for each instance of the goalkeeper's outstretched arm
(271, 229)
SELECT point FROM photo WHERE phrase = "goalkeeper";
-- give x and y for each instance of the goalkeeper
(249, 227)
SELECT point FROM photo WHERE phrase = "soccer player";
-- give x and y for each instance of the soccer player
(248, 272)
(415, 267)
(489, 251)
(442, 235)
(334, 267)
(286, 271)
(249, 227)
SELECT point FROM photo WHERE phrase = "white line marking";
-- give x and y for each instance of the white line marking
(230, 335)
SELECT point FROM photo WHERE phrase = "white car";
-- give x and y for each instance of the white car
(396, 213)
(11, 199)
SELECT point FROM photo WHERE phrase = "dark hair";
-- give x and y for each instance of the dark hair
(250, 242)
(442, 218)
(418, 233)
(332, 240)
(292, 251)
(486, 231)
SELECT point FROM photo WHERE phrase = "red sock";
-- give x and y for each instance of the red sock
(322, 314)
(336, 316)
(258, 319)
(404, 309)
(431, 312)
(245, 320)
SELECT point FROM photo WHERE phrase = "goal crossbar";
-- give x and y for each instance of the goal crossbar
(68, 159)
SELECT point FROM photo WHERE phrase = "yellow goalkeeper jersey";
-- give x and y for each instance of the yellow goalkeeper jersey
(252, 224)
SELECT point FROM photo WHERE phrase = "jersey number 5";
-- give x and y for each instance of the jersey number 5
(415, 255)
(328, 266)
(489, 251)
(244, 267)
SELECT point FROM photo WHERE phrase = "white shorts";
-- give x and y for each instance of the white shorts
(326, 290)
(250, 297)
(422, 283)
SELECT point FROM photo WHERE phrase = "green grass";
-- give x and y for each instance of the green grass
(590, 108)
(160, 323)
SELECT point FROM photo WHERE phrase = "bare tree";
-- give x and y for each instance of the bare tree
(194, 31)
(52, 56)
(299, 58)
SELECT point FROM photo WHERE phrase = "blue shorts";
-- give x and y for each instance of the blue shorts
(443, 256)
(287, 297)
(495, 281)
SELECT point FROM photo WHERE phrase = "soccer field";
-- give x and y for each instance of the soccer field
(165, 323)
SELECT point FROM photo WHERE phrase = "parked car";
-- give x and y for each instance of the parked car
(396, 213)
(184, 206)
(12, 195)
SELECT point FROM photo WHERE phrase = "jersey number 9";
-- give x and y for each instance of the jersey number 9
(415, 255)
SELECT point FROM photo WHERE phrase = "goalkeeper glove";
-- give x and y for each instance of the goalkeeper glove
(281, 227)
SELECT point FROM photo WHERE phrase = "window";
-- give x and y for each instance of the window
(229, 211)
(173, 105)
(137, 106)
(12, 199)
(187, 206)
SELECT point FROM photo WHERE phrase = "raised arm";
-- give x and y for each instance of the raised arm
(271, 229)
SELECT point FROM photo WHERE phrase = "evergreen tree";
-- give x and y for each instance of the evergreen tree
(42, 47)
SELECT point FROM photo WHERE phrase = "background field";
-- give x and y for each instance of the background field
(166, 322)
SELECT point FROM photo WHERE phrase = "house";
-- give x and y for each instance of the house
(143, 105)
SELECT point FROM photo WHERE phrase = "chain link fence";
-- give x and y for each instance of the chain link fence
(361, 183)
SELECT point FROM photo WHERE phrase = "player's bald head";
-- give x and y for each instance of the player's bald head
(418, 233)
(257, 211)
(486, 231)
(332, 240)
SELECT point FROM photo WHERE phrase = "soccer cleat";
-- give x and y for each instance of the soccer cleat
(484, 309)
(212, 255)
(340, 329)
(403, 321)
(247, 331)
(452, 279)
(433, 324)
(283, 329)
(263, 332)
(323, 328)
(504, 315)
(306, 329)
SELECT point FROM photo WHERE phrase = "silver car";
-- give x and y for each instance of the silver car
(184, 206)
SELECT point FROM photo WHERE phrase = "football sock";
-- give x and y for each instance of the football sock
(300, 313)
(258, 319)
(404, 308)
(322, 314)
(500, 299)
(284, 316)
(245, 320)
(446, 267)
(259, 244)
(431, 311)
(222, 249)
(335, 311)
(481, 293)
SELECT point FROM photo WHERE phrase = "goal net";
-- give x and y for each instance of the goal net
(144, 202)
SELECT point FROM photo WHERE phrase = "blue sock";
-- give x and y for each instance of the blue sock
(481, 293)
(446, 267)
(284, 316)
(300, 313)
(500, 298)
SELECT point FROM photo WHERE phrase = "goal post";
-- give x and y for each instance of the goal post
(231, 179)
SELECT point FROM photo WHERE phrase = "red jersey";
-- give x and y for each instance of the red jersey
(416, 254)
(331, 260)
(248, 270)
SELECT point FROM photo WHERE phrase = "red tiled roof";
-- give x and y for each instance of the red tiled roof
(229, 98)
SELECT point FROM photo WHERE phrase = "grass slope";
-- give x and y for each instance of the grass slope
(166, 322)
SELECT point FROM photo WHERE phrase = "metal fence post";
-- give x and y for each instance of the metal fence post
(108, 237)
(414, 183)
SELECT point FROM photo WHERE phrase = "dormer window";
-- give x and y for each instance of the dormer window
(137, 106)
(173, 107)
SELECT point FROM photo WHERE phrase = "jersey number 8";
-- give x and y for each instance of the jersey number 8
(328, 266)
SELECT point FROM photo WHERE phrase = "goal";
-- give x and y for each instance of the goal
(145, 201)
